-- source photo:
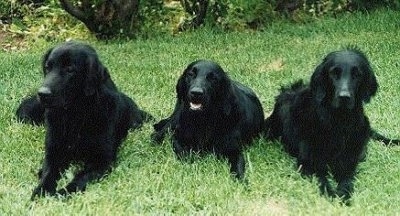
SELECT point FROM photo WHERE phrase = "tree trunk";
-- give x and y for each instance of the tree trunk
(107, 18)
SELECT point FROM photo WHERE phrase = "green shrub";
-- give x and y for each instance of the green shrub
(324, 7)
(317, 8)
(255, 14)
(366, 5)
(242, 14)
(44, 22)
(10, 9)
(154, 18)
(228, 14)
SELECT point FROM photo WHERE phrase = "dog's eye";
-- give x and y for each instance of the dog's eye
(335, 73)
(211, 77)
(355, 72)
(47, 66)
(69, 69)
(192, 73)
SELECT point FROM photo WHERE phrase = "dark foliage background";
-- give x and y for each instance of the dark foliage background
(47, 20)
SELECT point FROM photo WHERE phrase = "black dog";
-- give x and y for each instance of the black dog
(85, 116)
(323, 124)
(213, 114)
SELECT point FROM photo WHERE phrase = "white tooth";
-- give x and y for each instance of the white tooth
(195, 106)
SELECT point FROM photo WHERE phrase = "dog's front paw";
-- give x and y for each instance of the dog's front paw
(344, 194)
(179, 150)
(326, 189)
(157, 137)
(345, 189)
(71, 188)
(344, 197)
(40, 191)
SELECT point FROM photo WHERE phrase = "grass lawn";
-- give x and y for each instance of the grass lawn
(148, 180)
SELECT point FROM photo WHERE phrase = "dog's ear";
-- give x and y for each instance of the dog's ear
(319, 83)
(96, 74)
(44, 59)
(181, 87)
(229, 101)
(227, 95)
(369, 85)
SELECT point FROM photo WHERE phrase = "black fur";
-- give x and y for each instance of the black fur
(323, 124)
(375, 135)
(30, 111)
(86, 117)
(212, 114)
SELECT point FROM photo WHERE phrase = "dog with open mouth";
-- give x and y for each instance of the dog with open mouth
(213, 114)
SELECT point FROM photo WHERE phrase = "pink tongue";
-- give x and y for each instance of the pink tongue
(194, 106)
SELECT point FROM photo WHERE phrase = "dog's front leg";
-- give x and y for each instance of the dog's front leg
(180, 150)
(230, 149)
(237, 163)
(321, 170)
(345, 176)
(48, 176)
(91, 172)
(324, 185)
(304, 159)
(345, 189)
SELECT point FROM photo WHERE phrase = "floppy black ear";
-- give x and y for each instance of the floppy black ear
(229, 101)
(96, 74)
(227, 95)
(44, 59)
(369, 86)
(319, 83)
(181, 87)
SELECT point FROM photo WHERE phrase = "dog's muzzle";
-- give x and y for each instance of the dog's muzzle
(48, 99)
(344, 99)
(196, 99)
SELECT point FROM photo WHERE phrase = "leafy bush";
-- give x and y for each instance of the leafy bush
(227, 14)
(242, 14)
(323, 7)
(50, 22)
(104, 18)
(255, 14)
(366, 5)
(45, 21)
(154, 18)
(11, 9)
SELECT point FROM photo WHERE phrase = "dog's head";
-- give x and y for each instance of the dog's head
(344, 79)
(71, 70)
(204, 86)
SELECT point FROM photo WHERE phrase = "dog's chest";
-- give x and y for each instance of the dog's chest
(72, 132)
(196, 137)
(343, 141)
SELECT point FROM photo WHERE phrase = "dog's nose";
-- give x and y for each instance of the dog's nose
(196, 92)
(44, 92)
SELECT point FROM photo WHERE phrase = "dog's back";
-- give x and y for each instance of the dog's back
(282, 109)
(252, 112)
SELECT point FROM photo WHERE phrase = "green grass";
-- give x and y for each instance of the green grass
(148, 179)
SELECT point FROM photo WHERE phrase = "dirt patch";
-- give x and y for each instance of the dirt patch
(275, 65)
(263, 207)
(10, 42)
